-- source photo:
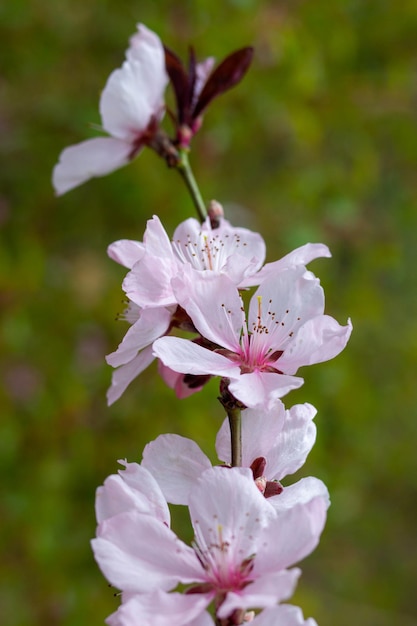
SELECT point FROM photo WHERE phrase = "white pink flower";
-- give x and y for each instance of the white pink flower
(236, 252)
(131, 106)
(152, 304)
(155, 263)
(133, 488)
(286, 329)
(239, 561)
(275, 444)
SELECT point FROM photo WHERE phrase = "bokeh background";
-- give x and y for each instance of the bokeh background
(319, 143)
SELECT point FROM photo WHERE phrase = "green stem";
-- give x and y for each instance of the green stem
(235, 422)
(184, 168)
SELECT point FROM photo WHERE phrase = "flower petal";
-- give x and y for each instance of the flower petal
(232, 506)
(284, 302)
(124, 375)
(132, 489)
(289, 450)
(262, 389)
(149, 282)
(187, 357)
(125, 551)
(134, 93)
(293, 534)
(156, 239)
(152, 324)
(284, 615)
(85, 160)
(126, 252)
(214, 305)
(318, 340)
(300, 256)
(162, 609)
(301, 492)
(176, 463)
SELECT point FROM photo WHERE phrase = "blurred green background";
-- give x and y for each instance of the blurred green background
(319, 143)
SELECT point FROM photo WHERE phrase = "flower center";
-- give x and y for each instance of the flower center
(224, 573)
(257, 343)
(207, 250)
(256, 350)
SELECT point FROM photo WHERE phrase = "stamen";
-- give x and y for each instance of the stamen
(259, 298)
(208, 251)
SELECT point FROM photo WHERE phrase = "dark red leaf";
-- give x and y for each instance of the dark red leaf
(224, 77)
(180, 82)
(273, 488)
(258, 467)
(191, 73)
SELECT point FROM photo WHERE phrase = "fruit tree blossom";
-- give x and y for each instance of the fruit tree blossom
(131, 106)
(286, 329)
(242, 550)
(275, 444)
(238, 253)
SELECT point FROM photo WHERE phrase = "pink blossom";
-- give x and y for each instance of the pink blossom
(131, 107)
(133, 488)
(275, 444)
(237, 252)
(134, 354)
(152, 304)
(286, 329)
(239, 561)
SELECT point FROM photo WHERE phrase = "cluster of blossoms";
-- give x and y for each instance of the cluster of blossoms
(249, 529)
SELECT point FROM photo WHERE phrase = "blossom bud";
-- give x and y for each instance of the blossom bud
(215, 213)
(261, 483)
(249, 616)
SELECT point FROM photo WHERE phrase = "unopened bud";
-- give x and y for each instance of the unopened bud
(215, 213)
(184, 136)
(261, 483)
(249, 616)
